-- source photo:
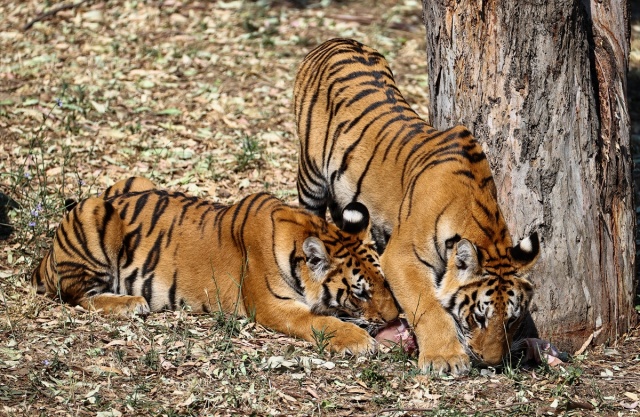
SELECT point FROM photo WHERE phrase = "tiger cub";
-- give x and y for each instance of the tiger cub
(446, 250)
(140, 249)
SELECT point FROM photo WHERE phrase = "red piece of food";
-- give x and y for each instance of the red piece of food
(397, 333)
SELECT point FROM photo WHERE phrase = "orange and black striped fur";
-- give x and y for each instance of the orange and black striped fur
(447, 253)
(140, 249)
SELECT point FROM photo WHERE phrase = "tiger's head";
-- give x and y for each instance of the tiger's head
(488, 298)
(342, 272)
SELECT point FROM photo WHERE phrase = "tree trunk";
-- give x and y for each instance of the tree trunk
(543, 86)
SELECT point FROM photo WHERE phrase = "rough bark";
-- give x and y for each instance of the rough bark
(542, 85)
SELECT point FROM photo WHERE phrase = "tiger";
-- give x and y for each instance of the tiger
(445, 247)
(139, 249)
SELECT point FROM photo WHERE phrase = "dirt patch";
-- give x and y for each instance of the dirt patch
(197, 96)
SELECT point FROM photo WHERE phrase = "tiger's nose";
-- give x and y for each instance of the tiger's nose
(492, 356)
(390, 313)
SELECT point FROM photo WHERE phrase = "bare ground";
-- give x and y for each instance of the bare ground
(197, 96)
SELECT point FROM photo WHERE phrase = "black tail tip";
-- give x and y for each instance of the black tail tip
(527, 249)
(355, 218)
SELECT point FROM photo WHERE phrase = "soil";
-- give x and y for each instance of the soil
(196, 96)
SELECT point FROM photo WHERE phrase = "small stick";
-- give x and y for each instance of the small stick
(406, 410)
(53, 12)
(403, 410)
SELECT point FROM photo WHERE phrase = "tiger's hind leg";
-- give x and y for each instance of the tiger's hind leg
(130, 185)
(82, 267)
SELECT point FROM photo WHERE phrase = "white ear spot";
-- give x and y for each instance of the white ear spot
(352, 216)
(525, 245)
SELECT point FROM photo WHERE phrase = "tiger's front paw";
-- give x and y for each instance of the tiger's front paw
(136, 305)
(456, 363)
(354, 340)
(117, 304)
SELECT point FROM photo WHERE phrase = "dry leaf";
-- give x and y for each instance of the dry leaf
(118, 342)
(286, 397)
(188, 401)
(313, 393)
(629, 406)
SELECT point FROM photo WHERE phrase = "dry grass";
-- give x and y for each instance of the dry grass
(197, 96)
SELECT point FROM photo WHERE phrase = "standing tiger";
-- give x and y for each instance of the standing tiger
(141, 249)
(446, 250)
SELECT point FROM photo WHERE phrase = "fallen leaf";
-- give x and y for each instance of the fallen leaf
(188, 401)
(169, 112)
(54, 171)
(286, 397)
(572, 405)
(93, 16)
(100, 108)
(166, 365)
(587, 342)
(146, 84)
(629, 406)
(92, 392)
(244, 183)
(113, 134)
(10, 354)
(110, 413)
(632, 396)
(117, 342)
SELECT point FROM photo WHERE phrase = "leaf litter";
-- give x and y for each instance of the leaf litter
(196, 96)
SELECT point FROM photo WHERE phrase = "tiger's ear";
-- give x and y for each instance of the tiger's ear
(526, 252)
(466, 259)
(316, 256)
(355, 218)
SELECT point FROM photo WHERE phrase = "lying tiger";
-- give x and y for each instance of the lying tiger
(140, 249)
(447, 252)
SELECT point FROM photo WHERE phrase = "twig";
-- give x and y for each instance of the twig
(47, 300)
(503, 407)
(615, 379)
(403, 410)
(53, 12)
(406, 410)
(587, 342)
